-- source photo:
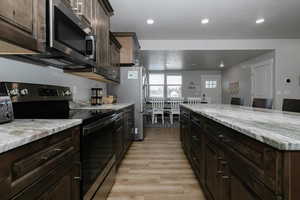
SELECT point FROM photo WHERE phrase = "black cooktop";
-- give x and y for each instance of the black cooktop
(89, 116)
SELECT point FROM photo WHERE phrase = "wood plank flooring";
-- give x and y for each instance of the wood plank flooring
(156, 169)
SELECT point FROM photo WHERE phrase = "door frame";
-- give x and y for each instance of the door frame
(270, 62)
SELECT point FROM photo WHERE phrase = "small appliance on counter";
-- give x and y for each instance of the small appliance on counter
(97, 95)
(109, 100)
(6, 109)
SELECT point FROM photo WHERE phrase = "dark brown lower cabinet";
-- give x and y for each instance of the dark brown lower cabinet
(211, 172)
(232, 166)
(47, 169)
(123, 136)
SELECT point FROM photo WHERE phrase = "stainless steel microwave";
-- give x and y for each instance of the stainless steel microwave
(67, 34)
(69, 41)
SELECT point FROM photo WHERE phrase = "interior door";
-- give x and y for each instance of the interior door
(262, 80)
(211, 87)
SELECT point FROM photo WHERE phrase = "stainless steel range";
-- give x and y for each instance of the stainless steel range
(32, 101)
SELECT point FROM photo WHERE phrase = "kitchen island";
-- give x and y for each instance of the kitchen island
(243, 153)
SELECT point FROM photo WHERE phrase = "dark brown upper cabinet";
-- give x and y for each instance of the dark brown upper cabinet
(22, 26)
(130, 48)
(101, 25)
(84, 9)
(115, 48)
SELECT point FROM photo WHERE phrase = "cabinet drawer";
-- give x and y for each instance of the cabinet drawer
(25, 165)
(22, 167)
(264, 162)
(58, 183)
(266, 159)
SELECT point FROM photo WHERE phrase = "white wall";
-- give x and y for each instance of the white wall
(15, 71)
(287, 57)
(241, 73)
(195, 77)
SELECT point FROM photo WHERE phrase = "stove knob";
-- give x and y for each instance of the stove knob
(14, 92)
(24, 92)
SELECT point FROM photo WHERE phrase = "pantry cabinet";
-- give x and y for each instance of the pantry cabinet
(232, 166)
(22, 26)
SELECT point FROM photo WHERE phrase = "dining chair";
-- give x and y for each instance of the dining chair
(262, 103)
(175, 108)
(236, 101)
(194, 100)
(158, 105)
(291, 105)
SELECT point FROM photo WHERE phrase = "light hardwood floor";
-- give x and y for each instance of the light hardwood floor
(156, 169)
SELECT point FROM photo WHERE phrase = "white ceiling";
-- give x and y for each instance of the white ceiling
(232, 19)
(196, 59)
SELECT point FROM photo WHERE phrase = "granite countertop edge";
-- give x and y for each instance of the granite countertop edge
(116, 107)
(14, 135)
(277, 141)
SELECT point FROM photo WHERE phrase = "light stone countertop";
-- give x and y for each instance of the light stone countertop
(24, 131)
(116, 107)
(278, 129)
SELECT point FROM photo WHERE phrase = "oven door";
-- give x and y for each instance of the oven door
(97, 154)
(67, 34)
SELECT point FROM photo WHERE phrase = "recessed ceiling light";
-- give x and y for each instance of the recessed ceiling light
(150, 21)
(260, 21)
(222, 64)
(205, 21)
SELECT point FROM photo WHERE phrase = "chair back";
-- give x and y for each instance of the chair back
(236, 101)
(262, 103)
(158, 103)
(291, 105)
(175, 103)
(194, 100)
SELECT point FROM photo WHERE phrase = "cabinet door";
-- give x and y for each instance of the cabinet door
(118, 143)
(102, 23)
(62, 182)
(211, 169)
(18, 12)
(239, 191)
(83, 8)
(22, 23)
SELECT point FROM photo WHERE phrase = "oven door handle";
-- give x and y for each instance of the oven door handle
(99, 125)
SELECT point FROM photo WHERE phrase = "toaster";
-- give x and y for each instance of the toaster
(6, 108)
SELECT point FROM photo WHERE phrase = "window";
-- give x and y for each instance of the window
(165, 85)
(174, 86)
(210, 84)
(156, 85)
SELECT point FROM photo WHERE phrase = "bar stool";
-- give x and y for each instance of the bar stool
(262, 103)
(291, 105)
(236, 101)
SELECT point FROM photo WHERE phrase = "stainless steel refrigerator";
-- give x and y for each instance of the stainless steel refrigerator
(132, 89)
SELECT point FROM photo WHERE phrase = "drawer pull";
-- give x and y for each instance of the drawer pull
(225, 177)
(44, 158)
(78, 178)
(221, 136)
(57, 149)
